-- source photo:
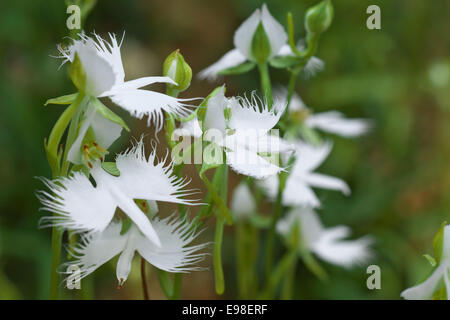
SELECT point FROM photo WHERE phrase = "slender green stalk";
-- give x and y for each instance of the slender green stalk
(218, 268)
(56, 259)
(218, 237)
(266, 86)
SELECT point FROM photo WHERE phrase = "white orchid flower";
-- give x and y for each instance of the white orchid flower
(327, 243)
(104, 133)
(244, 135)
(105, 77)
(243, 38)
(243, 203)
(298, 190)
(173, 255)
(84, 207)
(333, 122)
(427, 288)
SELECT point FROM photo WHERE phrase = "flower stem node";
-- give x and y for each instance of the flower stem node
(319, 17)
(176, 68)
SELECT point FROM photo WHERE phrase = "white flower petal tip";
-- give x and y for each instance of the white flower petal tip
(176, 253)
(298, 190)
(327, 243)
(312, 67)
(82, 207)
(243, 203)
(335, 122)
(230, 59)
(426, 289)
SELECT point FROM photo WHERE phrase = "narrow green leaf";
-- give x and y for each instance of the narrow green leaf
(239, 69)
(106, 113)
(285, 62)
(430, 259)
(438, 242)
(67, 99)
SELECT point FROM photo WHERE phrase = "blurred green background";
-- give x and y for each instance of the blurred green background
(398, 76)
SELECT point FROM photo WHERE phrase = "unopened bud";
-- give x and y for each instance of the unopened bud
(319, 17)
(176, 68)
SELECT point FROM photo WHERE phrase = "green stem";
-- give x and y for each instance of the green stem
(218, 237)
(266, 86)
(276, 216)
(218, 268)
(56, 258)
(177, 284)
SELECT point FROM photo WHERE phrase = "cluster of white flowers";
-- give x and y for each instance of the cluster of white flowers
(115, 211)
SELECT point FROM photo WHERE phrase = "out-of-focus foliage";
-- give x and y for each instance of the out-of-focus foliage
(398, 76)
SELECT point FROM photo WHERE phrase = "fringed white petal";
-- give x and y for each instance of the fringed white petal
(230, 59)
(95, 249)
(242, 202)
(148, 178)
(249, 163)
(274, 30)
(312, 67)
(175, 254)
(80, 206)
(253, 113)
(335, 122)
(140, 103)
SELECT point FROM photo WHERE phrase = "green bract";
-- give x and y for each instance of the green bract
(260, 49)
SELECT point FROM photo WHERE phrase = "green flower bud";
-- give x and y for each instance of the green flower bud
(176, 68)
(260, 45)
(319, 17)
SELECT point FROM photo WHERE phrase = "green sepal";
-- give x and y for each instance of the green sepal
(77, 74)
(285, 62)
(260, 49)
(438, 242)
(239, 69)
(63, 100)
(431, 260)
(111, 168)
(126, 225)
(106, 113)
